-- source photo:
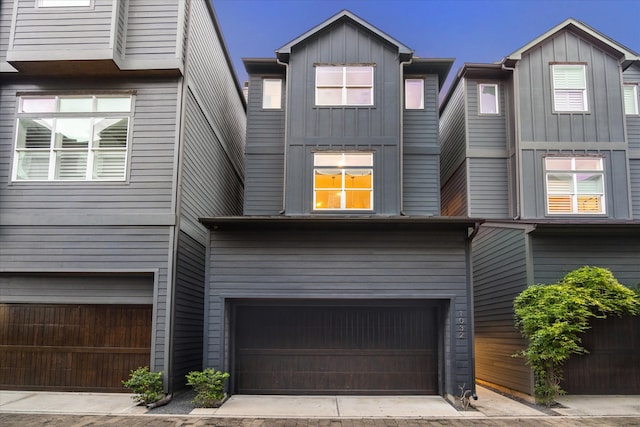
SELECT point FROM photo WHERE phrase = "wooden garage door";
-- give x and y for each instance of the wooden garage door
(613, 363)
(72, 347)
(336, 349)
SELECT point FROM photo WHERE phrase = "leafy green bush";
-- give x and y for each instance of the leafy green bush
(553, 318)
(145, 384)
(208, 385)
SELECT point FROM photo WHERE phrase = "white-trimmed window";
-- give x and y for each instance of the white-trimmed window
(630, 99)
(344, 85)
(72, 138)
(414, 94)
(488, 98)
(64, 3)
(569, 88)
(575, 185)
(343, 181)
(272, 93)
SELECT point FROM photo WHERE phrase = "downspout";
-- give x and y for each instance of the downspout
(401, 141)
(516, 136)
(472, 351)
(286, 133)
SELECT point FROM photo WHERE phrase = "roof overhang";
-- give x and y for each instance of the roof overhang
(440, 66)
(475, 71)
(571, 226)
(263, 66)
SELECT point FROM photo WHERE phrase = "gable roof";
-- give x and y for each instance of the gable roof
(284, 52)
(627, 55)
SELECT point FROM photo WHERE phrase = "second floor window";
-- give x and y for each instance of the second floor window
(414, 94)
(575, 185)
(343, 181)
(488, 98)
(569, 88)
(630, 99)
(64, 3)
(271, 93)
(344, 85)
(72, 138)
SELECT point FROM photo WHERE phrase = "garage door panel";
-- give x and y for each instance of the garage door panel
(72, 347)
(337, 350)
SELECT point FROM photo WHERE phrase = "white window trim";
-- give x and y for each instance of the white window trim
(63, 3)
(344, 86)
(407, 82)
(265, 104)
(634, 99)
(574, 191)
(481, 104)
(91, 151)
(556, 90)
(343, 169)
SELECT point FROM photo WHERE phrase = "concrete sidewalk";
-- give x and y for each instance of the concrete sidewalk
(489, 404)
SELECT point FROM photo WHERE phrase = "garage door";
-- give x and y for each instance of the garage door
(336, 349)
(78, 347)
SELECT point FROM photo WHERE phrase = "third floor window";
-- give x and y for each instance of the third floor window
(344, 85)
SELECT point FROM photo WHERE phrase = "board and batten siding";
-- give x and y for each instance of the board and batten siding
(340, 263)
(421, 161)
(499, 274)
(264, 152)
(632, 76)
(311, 127)
(145, 198)
(538, 122)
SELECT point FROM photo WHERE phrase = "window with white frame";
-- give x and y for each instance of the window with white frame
(271, 93)
(343, 181)
(630, 99)
(72, 138)
(488, 98)
(344, 85)
(64, 3)
(575, 185)
(569, 88)
(414, 94)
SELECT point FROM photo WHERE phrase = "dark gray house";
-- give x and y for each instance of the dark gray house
(545, 145)
(341, 276)
(121, 123)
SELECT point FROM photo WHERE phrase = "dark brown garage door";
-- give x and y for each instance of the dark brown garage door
(336, 349)
(72, 347)
(613, 363)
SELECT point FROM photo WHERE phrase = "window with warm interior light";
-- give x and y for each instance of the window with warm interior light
(569, 88)
(271, 93)
(630, 99)
(343, 181)
(488, 98)
(414, 94)
(72, 138)
(344, 85)
(575, 185)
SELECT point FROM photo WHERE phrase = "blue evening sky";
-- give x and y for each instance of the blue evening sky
(468, 30)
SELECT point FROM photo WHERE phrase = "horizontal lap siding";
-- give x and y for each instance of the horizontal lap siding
(499, 275)
(634, 175)
(486, 131)
(455, 194)
(152, 28)
(6, 13)
(453, 137)
(488, 187)
(45, 28)
(151, 170)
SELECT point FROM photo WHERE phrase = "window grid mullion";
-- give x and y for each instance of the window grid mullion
(52, 151)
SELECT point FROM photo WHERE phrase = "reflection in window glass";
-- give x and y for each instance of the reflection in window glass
(488, 98)
(338, 85)
(271, 93)
(414, 94)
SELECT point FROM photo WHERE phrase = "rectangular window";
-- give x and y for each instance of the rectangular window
(575, 185)
(72, 138)
(64, 3)
(271, 93)
(630, 99)
(414, 94)
(488, 98)
(569, 88)
(343, 181)
(338, 85)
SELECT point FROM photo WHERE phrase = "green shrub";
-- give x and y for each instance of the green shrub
(554, 317)
(208, 385)
(145, 384)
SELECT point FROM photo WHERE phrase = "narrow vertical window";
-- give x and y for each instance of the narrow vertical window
(414, 94)
(271, 93)
(343, 181)
(575, 185)
(488, 98)
(569, 88)
(631, 99)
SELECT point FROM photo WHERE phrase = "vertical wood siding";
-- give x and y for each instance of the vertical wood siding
(538, 122)
(45, 28)
(499, 275)
(188, 311)
(338, 264)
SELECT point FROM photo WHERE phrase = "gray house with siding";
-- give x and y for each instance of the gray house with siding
(545, 145)
(341, 277)
(121, 123)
